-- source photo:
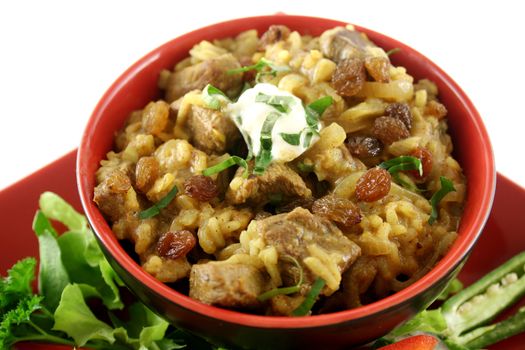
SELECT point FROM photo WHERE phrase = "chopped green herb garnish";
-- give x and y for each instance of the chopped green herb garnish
(310, 299)
(308, 139)
(238, 120)
(259, 67)
(315, 110)
(305, 168)
(321, 105)
(262, 161)
(280, 103)
(284, 290)
(212, 96)
(406, 182)
(393, 51)
(155, 209)
(292, 139)
(402, 163)
(446, 187)
(225, 164)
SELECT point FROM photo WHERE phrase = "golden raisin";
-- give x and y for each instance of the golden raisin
(378, 68)
(389, 130)
(201, 187)
(400, 111)
(373, 185)
(364, 146)
(435, 109)
(155, 117)
(349, 76)
(146, 172)
(174, 245)
(340, 210)
(425, 157)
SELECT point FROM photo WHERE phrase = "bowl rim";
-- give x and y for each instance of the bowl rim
(453, 258)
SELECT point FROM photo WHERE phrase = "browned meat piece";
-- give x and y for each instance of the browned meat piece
(278, 180)
(274, 34)
(211, 131)
(110, 194)
(228, 285)
(292, 233)
(212, 71)
(340, 43)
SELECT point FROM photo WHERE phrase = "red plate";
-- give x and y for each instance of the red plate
(502, 238)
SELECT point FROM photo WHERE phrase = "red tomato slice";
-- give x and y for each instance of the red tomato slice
(417, 342)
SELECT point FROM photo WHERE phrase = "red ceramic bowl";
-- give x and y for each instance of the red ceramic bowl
(138, 85)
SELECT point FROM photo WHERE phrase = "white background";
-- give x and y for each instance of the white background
(58, 58)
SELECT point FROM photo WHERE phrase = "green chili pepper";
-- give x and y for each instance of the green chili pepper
(482, 301)
(463, 321)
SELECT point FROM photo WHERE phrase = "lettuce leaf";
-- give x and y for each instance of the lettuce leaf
(74, 318)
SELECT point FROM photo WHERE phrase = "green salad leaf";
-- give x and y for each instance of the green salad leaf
(73, 272)
(53, 277)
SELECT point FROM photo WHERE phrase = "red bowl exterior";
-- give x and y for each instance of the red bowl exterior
(138, 85)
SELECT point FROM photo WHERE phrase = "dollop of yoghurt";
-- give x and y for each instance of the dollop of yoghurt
(291, 135)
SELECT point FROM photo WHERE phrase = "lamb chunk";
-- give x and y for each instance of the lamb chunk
(212, 71)
(341, 43)
(274, 34)
(211, 131)
(227, 285)
(110, 194)
(292, 233)
(278, 179)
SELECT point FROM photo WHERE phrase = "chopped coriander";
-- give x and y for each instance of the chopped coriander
(263, 159)
(284, 290)
(212, 96)
(292, 139)
(305, 168)
(217, 168)
(401, 163)
(320, 105)
(446, 187)
(406, 182)
(238, 120)
(280, 103)
(310, 299)
(315, 110)
(155, 208)
(259, 66)
(393, 51)
(308, 139)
